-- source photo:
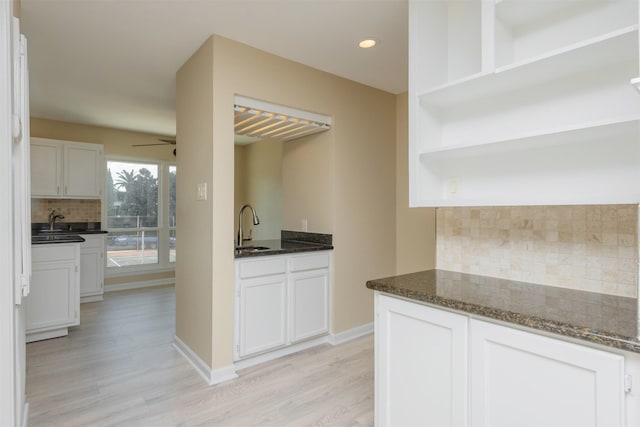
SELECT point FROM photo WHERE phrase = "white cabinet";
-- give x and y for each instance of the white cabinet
(520, 102)
(54, 302)
(92, 268)
(421, 365)
(281, 300)
(426, 374)
(524, 379)
(61, 169)
(309, 296)
(263, 317)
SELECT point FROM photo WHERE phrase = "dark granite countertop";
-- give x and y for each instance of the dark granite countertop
(53, 239)
(290, 242)
(64, 232)
(603, 319)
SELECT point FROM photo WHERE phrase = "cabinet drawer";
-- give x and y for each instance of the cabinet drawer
(309, 262)
(262, 267)
(54, 252)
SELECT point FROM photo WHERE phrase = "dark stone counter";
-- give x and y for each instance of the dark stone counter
(289, 242)
(603, 319)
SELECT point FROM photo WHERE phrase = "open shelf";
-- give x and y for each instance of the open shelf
(583, 169)
(617, 46)
(600, 131)
(543, 111)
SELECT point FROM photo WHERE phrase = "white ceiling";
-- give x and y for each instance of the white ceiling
(113, 62)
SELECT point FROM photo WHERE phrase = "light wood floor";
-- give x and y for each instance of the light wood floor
(119, 368)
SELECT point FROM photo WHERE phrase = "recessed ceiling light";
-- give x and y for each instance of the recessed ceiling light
(367, 43)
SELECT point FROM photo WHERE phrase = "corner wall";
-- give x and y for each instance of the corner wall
(345, 178)
(194, 271)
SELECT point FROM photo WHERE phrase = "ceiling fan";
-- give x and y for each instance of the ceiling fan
(164, 141)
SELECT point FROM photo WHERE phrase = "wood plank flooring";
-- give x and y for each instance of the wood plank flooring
(118, 368)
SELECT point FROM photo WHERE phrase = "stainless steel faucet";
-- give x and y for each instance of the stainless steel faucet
(52, 218)
(240, 238)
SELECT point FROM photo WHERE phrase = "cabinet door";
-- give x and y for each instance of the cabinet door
(82, 170)
(309, 304)
(263, 314)
(52, 301)
(91, 267)
(524, 379)
(421, 365)
(46, 170)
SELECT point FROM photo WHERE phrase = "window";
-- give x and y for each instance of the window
(140, 214)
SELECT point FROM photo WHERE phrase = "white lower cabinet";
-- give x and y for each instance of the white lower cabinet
(263, 317)
(92, 268)
(281, 300)
(54, 302)
(521, 378)
(421, 365)
(426, 375)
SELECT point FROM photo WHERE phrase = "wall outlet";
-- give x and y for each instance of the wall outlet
(201, 193)
(304, 225)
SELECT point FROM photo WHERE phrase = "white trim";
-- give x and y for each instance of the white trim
(333, 339)
(139, 285)
(128, 271)
(91, 298)
(25, 415)
(46, 335)
(8, 364)
(351, 334)
(211, 376)
(275, 354)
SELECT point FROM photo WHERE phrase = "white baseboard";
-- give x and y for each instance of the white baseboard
(211, 376)
(275, 354)
(351, 334)
(91, 298)
(139, 285)
(25, 415)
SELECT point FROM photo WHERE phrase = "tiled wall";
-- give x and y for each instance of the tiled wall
(73, 210)
(592, 248)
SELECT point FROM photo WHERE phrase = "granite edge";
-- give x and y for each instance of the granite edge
(595, 336)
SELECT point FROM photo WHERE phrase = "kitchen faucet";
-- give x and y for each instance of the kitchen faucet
(52, 218)
(240, 238)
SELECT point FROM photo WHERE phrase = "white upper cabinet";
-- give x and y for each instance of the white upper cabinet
(523, 102)
(61, 169)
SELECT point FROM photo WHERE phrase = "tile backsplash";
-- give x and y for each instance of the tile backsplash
(591, 248)
(73, 210)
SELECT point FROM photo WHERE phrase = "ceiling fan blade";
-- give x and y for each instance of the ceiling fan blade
(171, 141)
(147, 145)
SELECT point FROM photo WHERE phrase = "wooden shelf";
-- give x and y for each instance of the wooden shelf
(610, 48)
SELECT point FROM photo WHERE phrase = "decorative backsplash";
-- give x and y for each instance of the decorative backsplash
(73, 210)
(590, 248)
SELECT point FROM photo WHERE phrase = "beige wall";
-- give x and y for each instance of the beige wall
(194, 270)
(258, 174)
(116, 143)
(415, 227)
(350, 175)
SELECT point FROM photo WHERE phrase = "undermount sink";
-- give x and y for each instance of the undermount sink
(252, 248)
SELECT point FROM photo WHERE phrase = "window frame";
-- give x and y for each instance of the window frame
(163, 265)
